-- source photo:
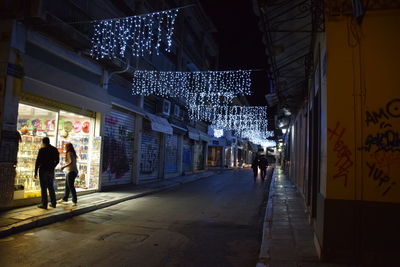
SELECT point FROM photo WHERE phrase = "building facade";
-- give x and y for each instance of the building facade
(50, 86)
(342, 146)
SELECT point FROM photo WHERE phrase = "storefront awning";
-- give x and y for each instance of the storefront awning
(159, 124)
(177, 129)
(204, 137)
(193, 133)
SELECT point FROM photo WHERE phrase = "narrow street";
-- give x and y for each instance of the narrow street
(212, 222)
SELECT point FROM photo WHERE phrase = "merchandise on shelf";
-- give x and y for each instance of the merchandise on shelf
(61, 127)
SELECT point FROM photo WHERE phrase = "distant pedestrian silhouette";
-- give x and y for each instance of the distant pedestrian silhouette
(254, 166)
(263, 164)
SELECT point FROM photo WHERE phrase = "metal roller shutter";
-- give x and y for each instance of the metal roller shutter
(118, 148)
(187, 157)
(149, 155)
(198, 155)
(171, 153)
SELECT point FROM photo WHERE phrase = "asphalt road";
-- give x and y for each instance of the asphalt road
(212, 222)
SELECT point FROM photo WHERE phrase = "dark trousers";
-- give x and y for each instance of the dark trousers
(263, 172)
(70, 187)
(255, 172)
(46, 178)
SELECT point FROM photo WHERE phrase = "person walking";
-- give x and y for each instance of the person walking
(47, 159)
(71, 174)
(263, 163)
(254, 166)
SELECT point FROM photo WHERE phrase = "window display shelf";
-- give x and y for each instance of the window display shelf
(61, 127)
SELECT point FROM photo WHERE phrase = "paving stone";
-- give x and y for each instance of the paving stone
(280, 223)
(306, 253)
(283, 242)
(7, 221)
(291, 237)
(282, 236)
(275, 263)
(282, 253)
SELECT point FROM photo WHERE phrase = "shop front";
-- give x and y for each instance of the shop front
(171, 154)
(200, 140)
(215, 156)
(228, 157)
(61, 126)
(149, 154)
(240, 153)
(118, 143)
(151, 147)
(198, 155)
(216, 152)
(187, 155)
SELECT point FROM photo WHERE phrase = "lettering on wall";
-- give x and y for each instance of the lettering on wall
(386, 138)
(344, 161)
(383, 145)
(391, 110)
(383, 179)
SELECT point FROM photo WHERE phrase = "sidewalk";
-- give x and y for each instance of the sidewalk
(288, 238)
(21, 219)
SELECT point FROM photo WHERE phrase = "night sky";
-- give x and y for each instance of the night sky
(240, 41)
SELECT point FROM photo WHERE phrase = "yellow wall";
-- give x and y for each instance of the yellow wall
(363, 103)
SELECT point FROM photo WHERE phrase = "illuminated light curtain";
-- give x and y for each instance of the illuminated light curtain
(198, 88)
(142, 33)
(227, 113)
(246, 121)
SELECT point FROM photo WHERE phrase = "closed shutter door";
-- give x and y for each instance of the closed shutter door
(187, 155)
(149, 155)
(198, 156)
(171, 153)
(118, 148)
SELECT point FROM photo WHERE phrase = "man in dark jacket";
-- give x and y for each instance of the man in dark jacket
(47, 159)
(254, 166)
(263, 163)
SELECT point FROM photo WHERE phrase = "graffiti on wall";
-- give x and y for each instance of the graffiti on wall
(344, 162)
(171, 153)
(383, 145)
(116, 140)
(149, 154)
(386, 138)
(381, 177)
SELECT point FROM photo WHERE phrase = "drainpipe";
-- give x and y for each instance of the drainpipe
(105, 79)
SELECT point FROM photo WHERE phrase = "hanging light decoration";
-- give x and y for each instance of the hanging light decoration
(246, 121)
(227, 114)
(199, 87)
(142, 33)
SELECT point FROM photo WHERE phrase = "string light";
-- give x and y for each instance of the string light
(246, 121)
(227, 114)
(200, 87)
(257, 137)
(143, 34)
(218, 133)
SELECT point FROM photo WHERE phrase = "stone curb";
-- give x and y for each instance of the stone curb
(46, 220)
(264, 257)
